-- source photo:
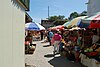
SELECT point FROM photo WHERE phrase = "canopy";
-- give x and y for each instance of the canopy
(75, 28)
(60, 27)
(91, 22)
(34, 26)
(84, 23)
(66, 24)
(76, 21)
(95, 23)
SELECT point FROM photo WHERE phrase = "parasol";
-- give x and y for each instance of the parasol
(76, 21)
(66, 24)
(34, 26)
(95, 23)
(91, 22)
(59, 27)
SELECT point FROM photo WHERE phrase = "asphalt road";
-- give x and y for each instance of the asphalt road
(43, 57)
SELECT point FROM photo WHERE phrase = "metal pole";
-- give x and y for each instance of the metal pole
(48, 12)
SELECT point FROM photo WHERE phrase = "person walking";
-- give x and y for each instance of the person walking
(57, 39)
(41, 35)
(49, 36)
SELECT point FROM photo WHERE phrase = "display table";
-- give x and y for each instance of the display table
(36, 38)
(29, 48)
(90, 62)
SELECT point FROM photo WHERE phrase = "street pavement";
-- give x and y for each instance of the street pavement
(43, 57)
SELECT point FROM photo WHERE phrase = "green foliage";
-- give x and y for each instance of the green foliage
(58, 20)
(84, 13)
(75, 14)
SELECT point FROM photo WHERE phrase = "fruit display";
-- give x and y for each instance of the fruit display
(32, 48)
(98, 49)
(93, 51)
(92, 54)
(29, 48)
(88, 50)
(94, 46)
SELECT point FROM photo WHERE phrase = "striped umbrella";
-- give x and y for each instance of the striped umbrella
(34, 26)
(66, 24)
(76, 21)
(91, 22)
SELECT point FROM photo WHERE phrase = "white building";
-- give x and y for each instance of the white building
(93, 7)
(12, 26)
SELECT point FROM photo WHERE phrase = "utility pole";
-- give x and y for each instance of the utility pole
(48, 12)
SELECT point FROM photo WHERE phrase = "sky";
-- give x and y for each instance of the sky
(39, 8)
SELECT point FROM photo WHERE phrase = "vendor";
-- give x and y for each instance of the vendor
(29, 38)
(95, 37)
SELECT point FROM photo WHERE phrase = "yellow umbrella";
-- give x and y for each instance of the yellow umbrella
(75, 28)
(75, 21)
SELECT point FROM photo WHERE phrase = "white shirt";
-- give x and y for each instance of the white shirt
(95, 38)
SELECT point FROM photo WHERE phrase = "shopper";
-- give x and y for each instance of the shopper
(95, 37)
(57, 38)
(41, 35)
(49, 36)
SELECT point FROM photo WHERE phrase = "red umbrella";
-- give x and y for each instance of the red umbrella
(91, 22)
(60, 27)
(95, 23)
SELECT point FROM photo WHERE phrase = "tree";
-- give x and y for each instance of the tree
(58, 20)
(75, 14)
(53, 18)
(84, 13)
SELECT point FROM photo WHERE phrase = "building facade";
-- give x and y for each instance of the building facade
(28, 18)
(12, 32)
(46, 23)
(93, 7)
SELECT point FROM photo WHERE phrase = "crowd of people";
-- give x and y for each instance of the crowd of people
(69, 43)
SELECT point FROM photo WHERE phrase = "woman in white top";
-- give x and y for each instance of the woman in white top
(95, 38)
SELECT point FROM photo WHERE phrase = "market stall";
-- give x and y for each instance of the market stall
(70, 49)
(32, 32)
(90, 51)
(79, 47)
(57, 28)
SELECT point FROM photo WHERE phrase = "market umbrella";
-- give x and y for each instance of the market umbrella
(59, 27)
(95, 23)
(76, 21)
(84, 25)
(75, 28)
(91, 22)
(66, 24)
(34, 26)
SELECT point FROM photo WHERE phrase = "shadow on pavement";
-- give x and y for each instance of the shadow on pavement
(49, 55)
(46, 45)
(43, 42)
(29, 65)
(63, 62)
